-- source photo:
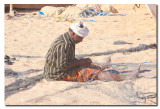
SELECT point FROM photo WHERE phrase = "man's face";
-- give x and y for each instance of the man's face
(77, 39)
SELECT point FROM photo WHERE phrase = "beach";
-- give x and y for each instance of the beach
(28, 38)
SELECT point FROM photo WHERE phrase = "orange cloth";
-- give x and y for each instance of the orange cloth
(81, 75)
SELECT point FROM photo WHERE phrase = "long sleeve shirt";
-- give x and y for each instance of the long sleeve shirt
(59, 57)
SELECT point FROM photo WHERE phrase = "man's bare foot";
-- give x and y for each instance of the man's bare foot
(107, 64)
(135, 73)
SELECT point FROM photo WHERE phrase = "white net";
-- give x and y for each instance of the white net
(129, 91)
(126, 91)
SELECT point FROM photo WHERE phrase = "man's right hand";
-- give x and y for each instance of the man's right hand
(85, 62)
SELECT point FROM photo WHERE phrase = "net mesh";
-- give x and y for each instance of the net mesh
(127, 91)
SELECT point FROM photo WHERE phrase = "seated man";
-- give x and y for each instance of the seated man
(61, 63)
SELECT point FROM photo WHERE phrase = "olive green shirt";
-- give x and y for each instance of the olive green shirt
(59, 57)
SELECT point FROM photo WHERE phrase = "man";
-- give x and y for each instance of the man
(61, 63)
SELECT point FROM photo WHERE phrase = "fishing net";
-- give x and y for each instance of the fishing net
(71, 12)
(79, 10)
(126, 91)
(51, 11)
(110, 8)
(129, 91)
(17, 81)
(96, 7)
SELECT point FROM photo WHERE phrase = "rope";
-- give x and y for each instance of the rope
(92, 13)
(146, 95)
(134, 49)
(119, 67)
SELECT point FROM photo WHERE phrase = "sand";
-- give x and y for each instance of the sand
(32, 36)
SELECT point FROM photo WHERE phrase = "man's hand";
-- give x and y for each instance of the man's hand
(85, 62)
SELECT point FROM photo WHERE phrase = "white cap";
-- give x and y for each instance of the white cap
(80, 29)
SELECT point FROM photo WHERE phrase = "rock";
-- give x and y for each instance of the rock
(10, 72)
(119, 42)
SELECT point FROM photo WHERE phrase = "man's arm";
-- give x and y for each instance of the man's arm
(62, 62)
(82, 62)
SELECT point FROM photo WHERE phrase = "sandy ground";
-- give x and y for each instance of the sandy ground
(31, 36)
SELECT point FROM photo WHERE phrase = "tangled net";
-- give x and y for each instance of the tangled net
(125, 91)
